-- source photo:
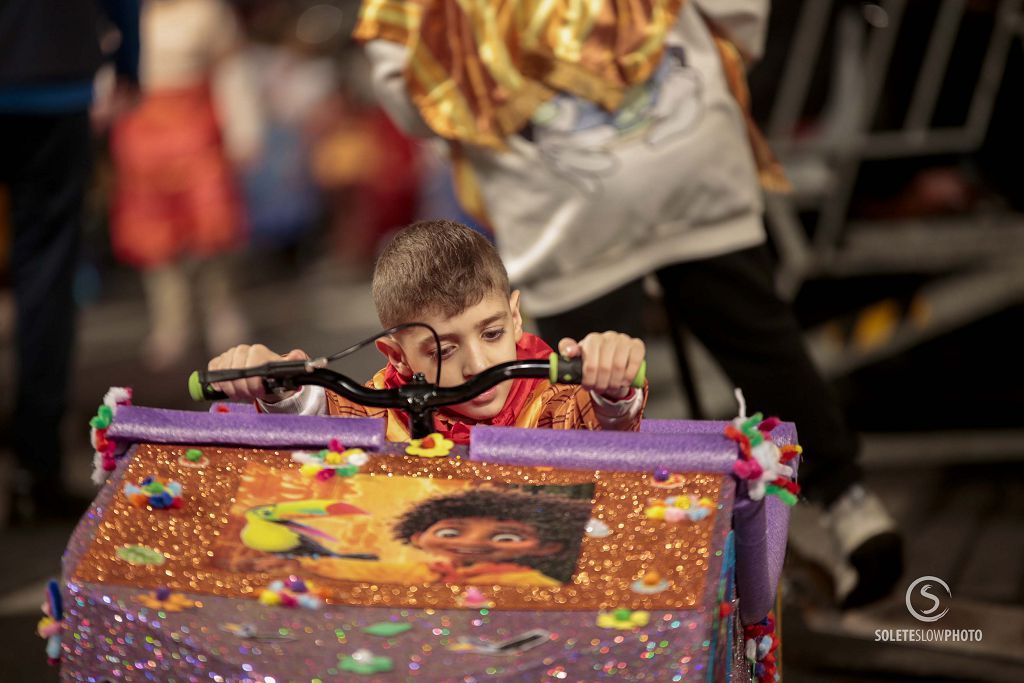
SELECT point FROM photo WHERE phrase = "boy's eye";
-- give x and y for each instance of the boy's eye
(495, 334)
(507, 537)
(447, 532)
(446, 352)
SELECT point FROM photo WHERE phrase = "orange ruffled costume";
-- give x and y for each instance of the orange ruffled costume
(176, 193)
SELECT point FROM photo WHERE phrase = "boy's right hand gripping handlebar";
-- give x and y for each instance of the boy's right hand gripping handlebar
(291, 374)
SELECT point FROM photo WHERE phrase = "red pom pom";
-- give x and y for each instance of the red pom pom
(222, 408)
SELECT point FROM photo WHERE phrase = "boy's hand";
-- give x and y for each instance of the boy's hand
(610, 361)
(245, 356)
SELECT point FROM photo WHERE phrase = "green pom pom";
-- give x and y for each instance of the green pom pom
(105, 412)
(99, 423)
(622, 614)
(193, 455)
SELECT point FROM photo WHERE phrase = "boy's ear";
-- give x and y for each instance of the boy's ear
(517, 316)
(392, 350)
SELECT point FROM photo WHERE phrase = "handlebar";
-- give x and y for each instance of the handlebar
(418, 398)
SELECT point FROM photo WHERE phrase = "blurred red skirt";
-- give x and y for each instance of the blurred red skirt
(176, 193)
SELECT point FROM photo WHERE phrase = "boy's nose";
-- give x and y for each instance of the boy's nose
(475, 362)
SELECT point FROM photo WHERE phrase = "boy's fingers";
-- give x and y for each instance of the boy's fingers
(568, 347)
(590, 350)
(257, 355)
(295, 354)
(622, 355)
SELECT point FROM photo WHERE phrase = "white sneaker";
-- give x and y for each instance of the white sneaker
(867, 542)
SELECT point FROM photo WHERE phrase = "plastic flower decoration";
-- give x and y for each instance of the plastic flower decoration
(431, 446)
(679, 508)
(623, 619)
(291, 593)
(164, 600)
(335, 460)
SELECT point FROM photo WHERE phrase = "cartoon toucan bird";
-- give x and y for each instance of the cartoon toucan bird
(273, 529)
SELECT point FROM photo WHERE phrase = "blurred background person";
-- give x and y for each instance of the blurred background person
(599, 155)
(49, 53)
(177, 209)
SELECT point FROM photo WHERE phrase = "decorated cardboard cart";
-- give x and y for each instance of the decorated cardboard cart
(234, 546)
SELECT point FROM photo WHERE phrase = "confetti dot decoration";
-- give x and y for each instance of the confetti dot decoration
(365, 663)
(387, 629)
(623, 619)
(141, 555)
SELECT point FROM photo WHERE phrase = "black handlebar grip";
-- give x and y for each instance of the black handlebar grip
(200, 391)
(570, 371)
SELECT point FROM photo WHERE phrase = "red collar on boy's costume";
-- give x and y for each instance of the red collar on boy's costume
(530, 347)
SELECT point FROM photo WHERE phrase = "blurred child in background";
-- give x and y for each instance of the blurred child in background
(176, 203)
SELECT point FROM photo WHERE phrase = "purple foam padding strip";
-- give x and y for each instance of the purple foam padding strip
(243, 408)
(602, 450)
(784, 433)
(158, 425)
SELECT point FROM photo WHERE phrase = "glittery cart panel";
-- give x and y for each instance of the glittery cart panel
(203, 553)
(117, 637)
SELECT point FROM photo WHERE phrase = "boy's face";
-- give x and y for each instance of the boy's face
(469, 540)
(482, 335)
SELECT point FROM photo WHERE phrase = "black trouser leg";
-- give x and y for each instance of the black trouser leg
(729, 303)
(45, 161)
(619, 310)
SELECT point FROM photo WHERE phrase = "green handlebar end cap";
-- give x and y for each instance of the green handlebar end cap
(195, 387)
(641, 376)
(553, 373)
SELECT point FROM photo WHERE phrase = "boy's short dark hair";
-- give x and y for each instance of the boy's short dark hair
(436, 266)
(557, 519)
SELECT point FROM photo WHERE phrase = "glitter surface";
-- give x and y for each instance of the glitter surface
(607, 566)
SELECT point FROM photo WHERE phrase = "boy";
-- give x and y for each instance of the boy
(498, 537)
(450, 277)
